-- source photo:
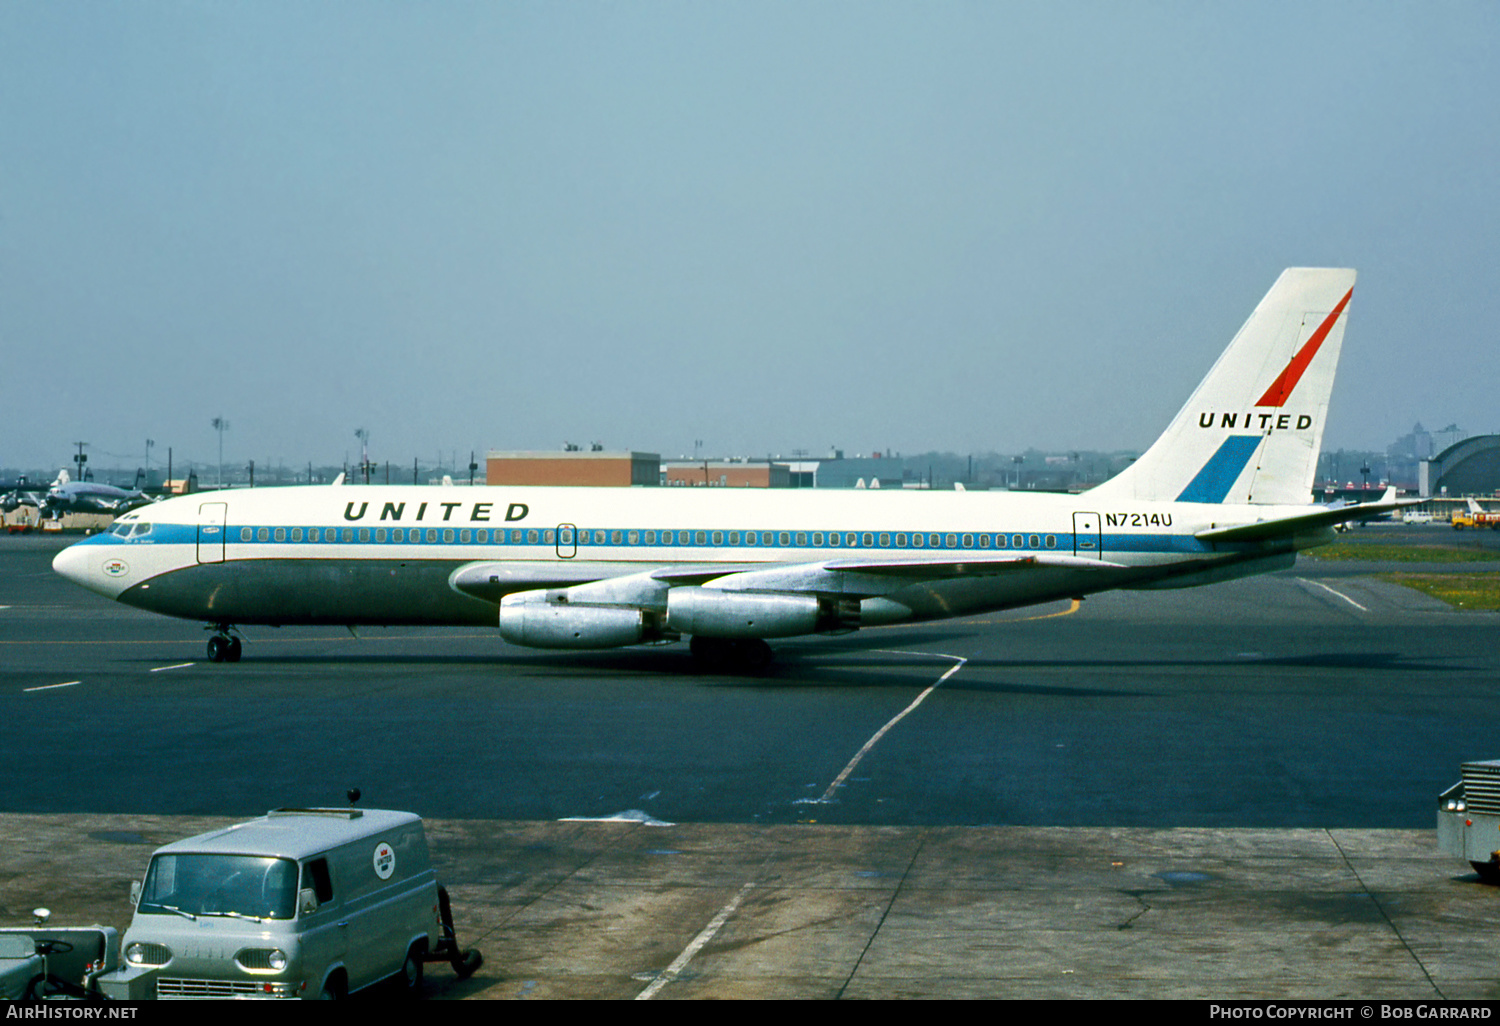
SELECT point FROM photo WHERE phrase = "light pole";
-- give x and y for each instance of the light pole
(221, 425)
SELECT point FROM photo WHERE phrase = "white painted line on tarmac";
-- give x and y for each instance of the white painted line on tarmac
(1335, 591)
(174, 666)
(707, 934)
(838, 781)
(49, 687)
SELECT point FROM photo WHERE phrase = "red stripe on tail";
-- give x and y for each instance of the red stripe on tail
(1281, 389)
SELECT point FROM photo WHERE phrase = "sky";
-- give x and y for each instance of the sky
(757, 227)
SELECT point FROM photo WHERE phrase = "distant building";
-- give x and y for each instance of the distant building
(726, 474)
(1471, 467)
(573, 467)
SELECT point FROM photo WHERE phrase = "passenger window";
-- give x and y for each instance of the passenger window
(901, 540)
(718, 537)
(263, 534)
(801, 538)
(447, 535)
(312, 534)
(968, 541)
(1017, 542)
(296, 534)
(1051, 541)
(380, 534)
(364, 534)
(1034, 542)
(700, 538)
(315, 876)
(348, 534)
(885, 541)
(784, 538)
(246, 534)
(867, 539)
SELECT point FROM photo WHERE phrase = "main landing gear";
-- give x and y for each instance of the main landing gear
(223, 647)
(730, 653)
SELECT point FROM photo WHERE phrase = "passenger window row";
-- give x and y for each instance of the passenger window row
(668, 538)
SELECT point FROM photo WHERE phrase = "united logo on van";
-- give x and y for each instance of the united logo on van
(385, 860)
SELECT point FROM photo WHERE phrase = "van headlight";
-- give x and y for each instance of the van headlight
(262, 959)
(147, 954)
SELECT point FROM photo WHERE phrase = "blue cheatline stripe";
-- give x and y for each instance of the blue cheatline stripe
(1222, 469)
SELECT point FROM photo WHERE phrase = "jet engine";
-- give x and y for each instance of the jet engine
(546, 619)
(719, 613)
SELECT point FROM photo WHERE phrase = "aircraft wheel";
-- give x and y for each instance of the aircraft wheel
(730, 653)
(233, 654)
(218, 648)
(752, 654)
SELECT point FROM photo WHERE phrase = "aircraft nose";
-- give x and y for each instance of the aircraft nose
(80, 564)
(70, 563)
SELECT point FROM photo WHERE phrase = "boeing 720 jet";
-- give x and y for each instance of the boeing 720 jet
(1224, 493)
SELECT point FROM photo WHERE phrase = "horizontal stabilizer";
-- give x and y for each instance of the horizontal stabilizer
(1285, 527)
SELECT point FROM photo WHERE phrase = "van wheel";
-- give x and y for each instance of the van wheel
(411, 970)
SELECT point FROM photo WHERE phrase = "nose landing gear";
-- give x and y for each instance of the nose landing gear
(223, 647)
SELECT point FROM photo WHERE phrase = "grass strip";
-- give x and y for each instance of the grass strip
(1462, 591)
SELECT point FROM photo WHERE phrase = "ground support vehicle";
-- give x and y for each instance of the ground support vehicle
(300, 903)
(1468, 818)
(44, 963)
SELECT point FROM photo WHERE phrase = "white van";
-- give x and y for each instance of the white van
(301, 903)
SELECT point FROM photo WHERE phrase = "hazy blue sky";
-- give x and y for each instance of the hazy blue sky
(768, 226)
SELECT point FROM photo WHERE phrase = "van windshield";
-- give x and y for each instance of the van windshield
(244, 886)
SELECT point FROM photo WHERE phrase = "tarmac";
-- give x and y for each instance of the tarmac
(1278, 746)
(639, 910)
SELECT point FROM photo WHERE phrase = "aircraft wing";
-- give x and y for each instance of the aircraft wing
(848, 576)
(1298, 523)
(862, 577)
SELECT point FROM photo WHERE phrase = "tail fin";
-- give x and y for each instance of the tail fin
(1252, 431)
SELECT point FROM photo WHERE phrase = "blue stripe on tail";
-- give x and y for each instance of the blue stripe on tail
(1222, 469)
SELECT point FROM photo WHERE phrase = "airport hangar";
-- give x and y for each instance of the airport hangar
(1469, 467)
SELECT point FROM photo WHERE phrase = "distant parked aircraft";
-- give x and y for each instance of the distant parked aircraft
(69, 496)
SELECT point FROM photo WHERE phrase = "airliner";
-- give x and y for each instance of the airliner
(1224, 493)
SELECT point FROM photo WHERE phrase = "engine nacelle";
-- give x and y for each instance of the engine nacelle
(542, 619)
(717, 613)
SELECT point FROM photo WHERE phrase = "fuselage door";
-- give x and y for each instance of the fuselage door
(212, 517)
(1088, 536)
(567, 541)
